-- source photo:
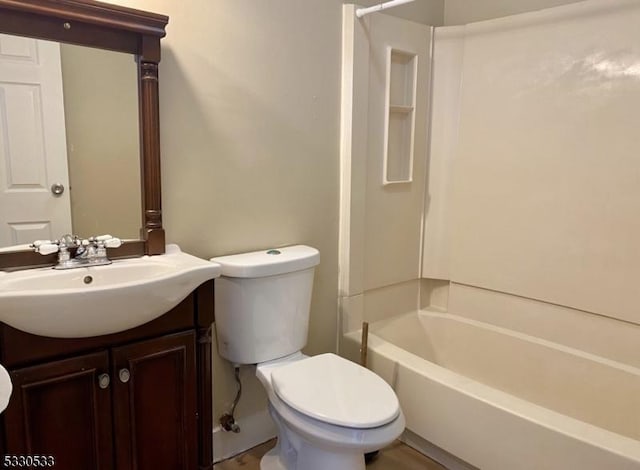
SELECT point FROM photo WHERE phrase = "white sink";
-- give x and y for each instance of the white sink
(100, 300)
(5, 388)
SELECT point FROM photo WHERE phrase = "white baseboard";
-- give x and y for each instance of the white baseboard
(254, 430)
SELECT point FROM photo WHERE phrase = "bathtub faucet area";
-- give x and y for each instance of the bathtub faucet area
(75, 252)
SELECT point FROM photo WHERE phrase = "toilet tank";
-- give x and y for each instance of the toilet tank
(262, 302)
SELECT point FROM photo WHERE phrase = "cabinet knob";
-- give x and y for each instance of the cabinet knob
(124, 375)
(103, 381)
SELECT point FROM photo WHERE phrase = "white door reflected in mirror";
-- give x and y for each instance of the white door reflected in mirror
(33, 146)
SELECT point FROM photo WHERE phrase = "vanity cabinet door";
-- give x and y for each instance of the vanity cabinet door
(155, 404)
(62, 410)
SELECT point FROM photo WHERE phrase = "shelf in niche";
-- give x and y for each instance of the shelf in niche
(399, 149)
(400, 109)
(400, 119)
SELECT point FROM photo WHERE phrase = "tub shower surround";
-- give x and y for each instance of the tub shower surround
(515, 345)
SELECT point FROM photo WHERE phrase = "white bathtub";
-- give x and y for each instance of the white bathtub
(498, 399)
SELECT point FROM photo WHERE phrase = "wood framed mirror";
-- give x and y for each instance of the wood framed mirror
(113, 28)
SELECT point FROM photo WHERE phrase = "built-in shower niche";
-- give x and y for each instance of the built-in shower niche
(400, 119)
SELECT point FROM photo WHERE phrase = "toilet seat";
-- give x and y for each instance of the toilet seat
(336, 391)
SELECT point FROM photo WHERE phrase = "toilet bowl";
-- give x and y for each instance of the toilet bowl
(328, 411)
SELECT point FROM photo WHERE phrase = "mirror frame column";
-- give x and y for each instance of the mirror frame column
(152, 231)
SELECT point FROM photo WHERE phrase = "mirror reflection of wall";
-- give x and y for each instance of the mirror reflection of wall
(68, 115)
(103, 145)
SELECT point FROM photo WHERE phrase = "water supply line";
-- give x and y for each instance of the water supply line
(360, 12)
(364, 344)
(364, 348)
(227, 420)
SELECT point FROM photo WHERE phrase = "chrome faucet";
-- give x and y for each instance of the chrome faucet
(88, 252)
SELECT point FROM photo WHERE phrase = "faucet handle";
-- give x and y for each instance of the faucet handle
(46, 248)
(112, 242)
(107, 241)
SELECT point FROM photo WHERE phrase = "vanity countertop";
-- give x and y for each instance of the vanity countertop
(5, 388)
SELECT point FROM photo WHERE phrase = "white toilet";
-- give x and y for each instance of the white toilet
(328, 411)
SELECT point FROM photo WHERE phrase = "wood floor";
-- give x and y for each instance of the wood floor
(397, 456)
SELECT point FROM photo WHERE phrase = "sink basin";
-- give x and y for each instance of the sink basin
(100, 300)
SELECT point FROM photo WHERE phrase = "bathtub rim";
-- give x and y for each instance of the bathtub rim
(621, 445)
(437, 313)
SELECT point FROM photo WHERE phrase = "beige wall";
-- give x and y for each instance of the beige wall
(101, 118)
(466, 11)
(250, 114)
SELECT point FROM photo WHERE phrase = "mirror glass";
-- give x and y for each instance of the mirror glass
(69, 142)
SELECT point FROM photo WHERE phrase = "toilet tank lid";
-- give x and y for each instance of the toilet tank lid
(269, 262)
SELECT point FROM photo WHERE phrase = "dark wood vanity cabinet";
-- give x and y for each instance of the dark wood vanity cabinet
(58, 410)
(136, 400)
(154, 402)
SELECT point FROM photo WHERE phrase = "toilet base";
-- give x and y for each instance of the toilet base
(317, 459)
(310, 458)
(271, 460)
(305, 455)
